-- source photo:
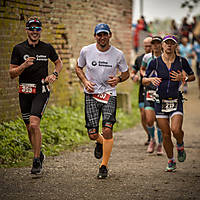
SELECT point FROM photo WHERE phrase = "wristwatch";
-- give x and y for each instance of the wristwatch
(56, 74)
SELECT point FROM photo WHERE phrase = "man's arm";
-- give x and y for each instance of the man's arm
(114, 80)
(89, 86)
(16, 70)
(58, 67)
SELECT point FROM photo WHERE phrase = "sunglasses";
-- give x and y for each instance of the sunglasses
(34, 28)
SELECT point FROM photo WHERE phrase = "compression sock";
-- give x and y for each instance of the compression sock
(151, 131)
(159, 133)
(107, 149)
(100, 139)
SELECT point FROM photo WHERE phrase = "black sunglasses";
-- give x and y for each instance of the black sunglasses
(34, 28)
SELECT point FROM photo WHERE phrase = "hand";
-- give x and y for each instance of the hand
(89, 86)
(156, 81)
(176, 76)
(50, 79)
(135, 78)
(113, 81)
(29, 61)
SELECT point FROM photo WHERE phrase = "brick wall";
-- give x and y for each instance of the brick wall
(68, 25)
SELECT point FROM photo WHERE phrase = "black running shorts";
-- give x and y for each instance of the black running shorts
(33, 104)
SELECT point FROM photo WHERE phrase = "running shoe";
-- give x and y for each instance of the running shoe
(171, 166)
(42, 158)
(181, 154)
(98, 151)
(103, 172)
(36, 168)
(151, 146)
(159, 150)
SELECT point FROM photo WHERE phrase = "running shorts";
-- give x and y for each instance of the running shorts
(94, 109)
(160, 114)
(33, 104)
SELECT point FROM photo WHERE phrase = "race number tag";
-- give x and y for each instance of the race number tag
(169, 105)
(103, 98)
(150, 96)
(27, 88)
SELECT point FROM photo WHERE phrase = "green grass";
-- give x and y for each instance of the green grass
(62, 128)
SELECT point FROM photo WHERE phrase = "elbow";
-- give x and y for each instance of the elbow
(11, 75)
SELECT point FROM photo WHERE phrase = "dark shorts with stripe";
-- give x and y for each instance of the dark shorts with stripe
(33, 104)
(94, 109)
(160, 114)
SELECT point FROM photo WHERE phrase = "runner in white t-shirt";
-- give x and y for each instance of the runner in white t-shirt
(102, 61)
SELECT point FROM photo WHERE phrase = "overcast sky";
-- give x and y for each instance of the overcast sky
(161, 9)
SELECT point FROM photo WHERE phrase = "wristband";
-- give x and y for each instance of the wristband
(120, 78)
(56, 74)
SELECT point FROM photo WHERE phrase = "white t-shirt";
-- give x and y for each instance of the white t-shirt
(100, 65)
(147, 59)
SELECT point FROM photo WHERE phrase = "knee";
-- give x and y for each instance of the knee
(33, 126)
(93, 133)
(107, 133)
(93, 136)
(175, 130)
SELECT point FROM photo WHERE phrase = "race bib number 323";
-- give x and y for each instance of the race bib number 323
(27, 88)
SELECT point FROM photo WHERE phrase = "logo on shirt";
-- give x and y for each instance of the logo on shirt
(26, 56)
(104, 64)
(41, 58)
(94, 63)
(38, 57)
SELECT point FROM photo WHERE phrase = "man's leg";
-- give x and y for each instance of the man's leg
(35, 135)
(36, 139)
(107, 145)
(30, 136)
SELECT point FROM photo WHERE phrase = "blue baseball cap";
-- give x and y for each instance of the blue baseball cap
(102, 28)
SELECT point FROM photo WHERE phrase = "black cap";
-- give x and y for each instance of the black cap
(156, 38)
(33, 20)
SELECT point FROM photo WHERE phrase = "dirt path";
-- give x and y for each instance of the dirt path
(134, 174)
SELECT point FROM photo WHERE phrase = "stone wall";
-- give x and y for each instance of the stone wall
(68, 25)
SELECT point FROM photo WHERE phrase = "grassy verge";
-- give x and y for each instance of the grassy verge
(62, 128)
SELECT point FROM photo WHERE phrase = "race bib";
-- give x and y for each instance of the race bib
(150, 95)
(103, 97)
(27, 88)
(169, 105)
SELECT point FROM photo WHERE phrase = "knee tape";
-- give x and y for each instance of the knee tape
(92, 131)
(108, 125)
